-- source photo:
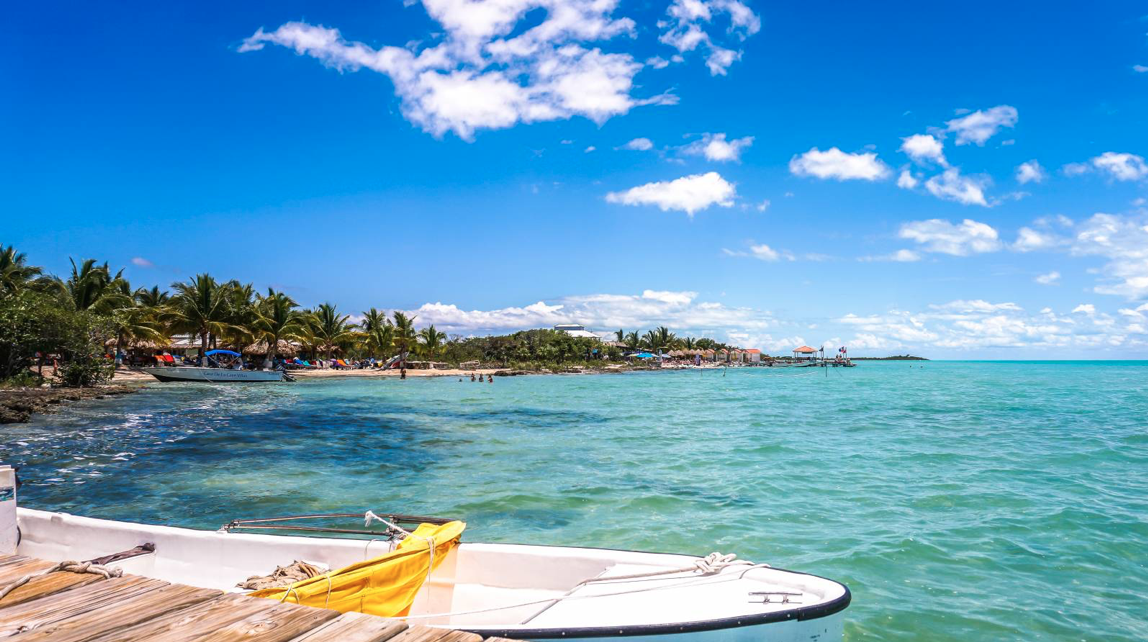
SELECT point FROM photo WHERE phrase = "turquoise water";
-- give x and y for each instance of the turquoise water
(959, 501)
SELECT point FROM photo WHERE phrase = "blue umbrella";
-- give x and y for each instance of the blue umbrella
(215, 352)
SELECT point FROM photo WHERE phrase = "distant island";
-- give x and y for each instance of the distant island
(896, 357)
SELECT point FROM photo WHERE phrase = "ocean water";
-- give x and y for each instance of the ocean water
(958, 500)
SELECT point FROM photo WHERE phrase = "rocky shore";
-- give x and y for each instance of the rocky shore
(17, 405)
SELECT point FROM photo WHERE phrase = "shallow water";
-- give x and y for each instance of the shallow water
(959, 500)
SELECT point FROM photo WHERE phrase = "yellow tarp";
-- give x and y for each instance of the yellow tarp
(385, 585)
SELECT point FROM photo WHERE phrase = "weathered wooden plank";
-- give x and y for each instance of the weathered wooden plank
(52, 608)
(113, 615)
(282, 623)
(20, 568)
(355, 627)
(500, 640)
(189, 623)
(46, 585)
(228, 618)
(431, 634)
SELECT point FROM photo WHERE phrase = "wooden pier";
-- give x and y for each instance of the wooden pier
(83, 607)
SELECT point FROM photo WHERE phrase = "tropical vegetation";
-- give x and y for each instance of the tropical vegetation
(94, 312)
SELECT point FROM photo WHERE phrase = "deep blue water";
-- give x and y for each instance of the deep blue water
(958, 500)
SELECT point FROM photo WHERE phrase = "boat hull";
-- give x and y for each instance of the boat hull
(534, 589)
(213, 375)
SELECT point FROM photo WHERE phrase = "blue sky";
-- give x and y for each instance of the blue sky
(961, 184)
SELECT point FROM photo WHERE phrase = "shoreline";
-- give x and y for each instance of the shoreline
(18, 405)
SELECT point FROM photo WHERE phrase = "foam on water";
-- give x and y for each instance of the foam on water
(959, 501)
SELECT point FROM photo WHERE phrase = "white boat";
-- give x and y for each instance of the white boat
(213, 375)
(518, 591)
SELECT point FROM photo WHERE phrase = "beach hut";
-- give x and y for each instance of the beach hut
(804, 353)
(753, 355)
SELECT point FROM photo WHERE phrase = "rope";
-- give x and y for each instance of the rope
(70, 566)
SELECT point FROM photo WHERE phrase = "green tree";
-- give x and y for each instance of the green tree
(276, 318)
(94, 288)
(405, 336)
(15, 273)
(430, 342)
(332, 328)
(200, 307)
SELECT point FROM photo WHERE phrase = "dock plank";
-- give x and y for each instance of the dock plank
(191, 623)
(282, 623)
(430, 634)
(46, 585)
(226, 618)
(113, 615)
(19, 568)
(355, 627)
(52, 608)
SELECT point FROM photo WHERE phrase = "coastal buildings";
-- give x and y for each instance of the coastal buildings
(576, 330)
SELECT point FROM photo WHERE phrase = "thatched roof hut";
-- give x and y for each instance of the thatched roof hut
(283, 348)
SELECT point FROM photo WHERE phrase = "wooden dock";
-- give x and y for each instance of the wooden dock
(82, 607)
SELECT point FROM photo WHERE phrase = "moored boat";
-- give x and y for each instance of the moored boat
(510, 590)
(228, 368)
(213, 375)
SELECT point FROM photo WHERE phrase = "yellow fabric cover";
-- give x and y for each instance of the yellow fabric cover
(385, 585)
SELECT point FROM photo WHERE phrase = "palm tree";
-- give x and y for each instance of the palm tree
(378, 333)
(431, 342)
(276, 318)
(621, 335)
(666, 339)
(132, 321)
(153, 298)
(200, 307)
(331, 327)
(92, 287)
(405, 336)
(632, 339)
(15, 273)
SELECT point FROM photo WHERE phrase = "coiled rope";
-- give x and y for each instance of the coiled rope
(70, 566)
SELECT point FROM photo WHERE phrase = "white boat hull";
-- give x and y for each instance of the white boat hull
(506, 590)
(213, 375)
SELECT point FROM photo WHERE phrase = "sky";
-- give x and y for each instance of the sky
(898, 177)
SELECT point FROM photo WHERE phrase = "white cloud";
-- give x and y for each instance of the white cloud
(836, 164)
(142, 262)
(1084, 308)
(1052, 278)
(900, 256)
(906, 180)
(639, 144)
(1123, 242)
(1140, 69)
(657, 62)
(590, 149)
(1121, 167)
(762, 206)
(950, 185)
(938, 235)
(476, 78)
(1028, 240)
(685, 30)
(979, 126)
(689, 194)
(681, 311)
(924, 148)
(764, 252)
(715, 147)
(1030, 172)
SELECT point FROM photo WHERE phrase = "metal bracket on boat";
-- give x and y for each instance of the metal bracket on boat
(766, 595)
(275, 523)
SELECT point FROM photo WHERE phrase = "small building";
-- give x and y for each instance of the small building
(804, 353)
(753, 355)
(576, 330)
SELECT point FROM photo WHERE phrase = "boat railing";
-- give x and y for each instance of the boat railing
(278, 524)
